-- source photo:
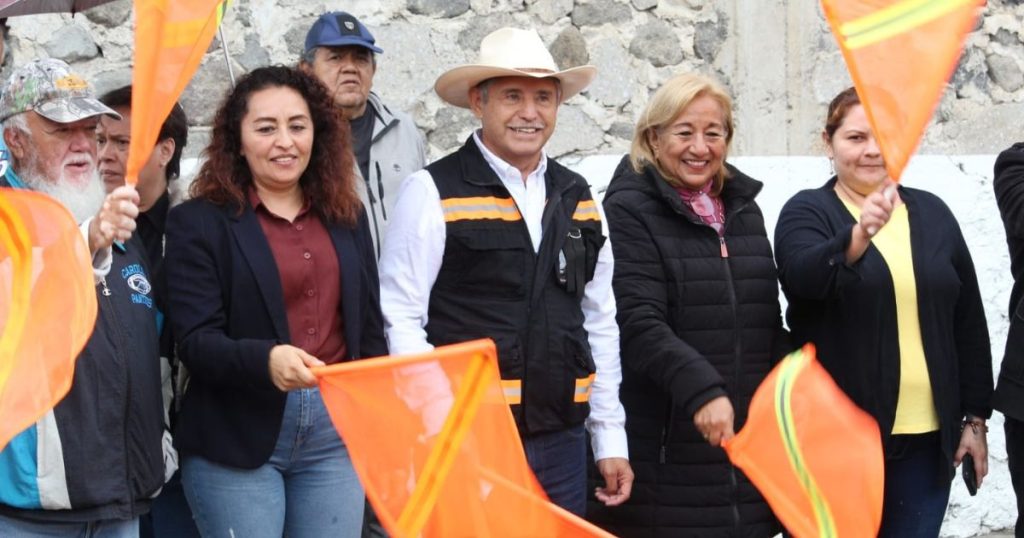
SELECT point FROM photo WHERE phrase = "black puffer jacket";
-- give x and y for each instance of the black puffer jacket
(694, 326)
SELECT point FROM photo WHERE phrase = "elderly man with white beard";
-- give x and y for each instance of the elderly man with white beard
(91, 465)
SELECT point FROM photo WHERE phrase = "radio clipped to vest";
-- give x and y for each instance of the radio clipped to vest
(572, 263)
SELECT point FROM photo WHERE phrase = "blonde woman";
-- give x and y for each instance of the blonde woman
(698, 314)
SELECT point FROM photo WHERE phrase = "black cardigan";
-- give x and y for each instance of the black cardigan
(849, 310)
(694, 326)
(1009, 187)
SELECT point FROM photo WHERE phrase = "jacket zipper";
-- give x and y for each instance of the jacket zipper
(127, 393)
(737, 365)
(666, 431)
(737, 357)
(524, 342)
(525, 347)
(373, 215)
(380, 191)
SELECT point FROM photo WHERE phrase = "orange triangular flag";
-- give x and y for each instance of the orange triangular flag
(171, 37)
(814, 455)
(435, 446)
(47, 306)
(900, 54)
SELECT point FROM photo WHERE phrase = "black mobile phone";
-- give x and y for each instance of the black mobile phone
(970, 477)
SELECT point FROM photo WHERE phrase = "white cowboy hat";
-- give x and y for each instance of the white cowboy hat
(510, 52)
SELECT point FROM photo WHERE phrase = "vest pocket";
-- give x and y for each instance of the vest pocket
(487, 263)
(511, 367)
(582, 367)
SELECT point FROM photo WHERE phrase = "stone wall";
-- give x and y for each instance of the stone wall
(777, 57)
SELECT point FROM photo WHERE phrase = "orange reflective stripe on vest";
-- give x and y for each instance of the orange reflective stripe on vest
(480, 208)
(586, 210)
(513, 389)
(583, 386)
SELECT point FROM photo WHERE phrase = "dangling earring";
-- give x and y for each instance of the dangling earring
(832, 165)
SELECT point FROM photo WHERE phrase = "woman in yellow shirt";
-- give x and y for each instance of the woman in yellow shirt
(879, 277)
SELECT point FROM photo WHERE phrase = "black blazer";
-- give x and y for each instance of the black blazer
(227, 311)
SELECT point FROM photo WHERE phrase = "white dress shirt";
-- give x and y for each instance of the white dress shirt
(411, 259)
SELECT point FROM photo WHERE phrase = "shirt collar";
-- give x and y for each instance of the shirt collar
(504, 169)
(256, 203)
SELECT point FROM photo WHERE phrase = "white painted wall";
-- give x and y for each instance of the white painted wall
(965, 183)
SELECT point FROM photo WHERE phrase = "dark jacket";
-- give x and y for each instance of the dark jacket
(1009, 187)
(695, 325)
(227, 311)
(492, 284)
(98, 453)
(849, 310)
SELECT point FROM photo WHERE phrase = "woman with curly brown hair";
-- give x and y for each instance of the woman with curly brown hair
(271, 271)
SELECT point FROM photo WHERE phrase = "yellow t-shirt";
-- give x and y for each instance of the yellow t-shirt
(915, 409)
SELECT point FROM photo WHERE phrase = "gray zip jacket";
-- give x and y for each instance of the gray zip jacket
(396, 151)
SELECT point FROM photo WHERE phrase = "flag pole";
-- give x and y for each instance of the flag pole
(224, 49)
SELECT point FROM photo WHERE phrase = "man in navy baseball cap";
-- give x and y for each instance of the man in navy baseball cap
(342, 53)
(337, 29)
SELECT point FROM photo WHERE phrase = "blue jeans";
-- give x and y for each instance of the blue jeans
(916, 493)
(559, 460)
(104, 528)
(308, 488)
(170, 516)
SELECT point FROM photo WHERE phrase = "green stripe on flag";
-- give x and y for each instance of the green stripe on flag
(896, 19)
(792, 365)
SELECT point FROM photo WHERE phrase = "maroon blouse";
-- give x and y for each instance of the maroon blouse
(307, 264)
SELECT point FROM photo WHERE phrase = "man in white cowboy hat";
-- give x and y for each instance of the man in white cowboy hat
(497, 240)
(92, 464)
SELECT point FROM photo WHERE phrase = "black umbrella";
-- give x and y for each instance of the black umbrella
(12, 8)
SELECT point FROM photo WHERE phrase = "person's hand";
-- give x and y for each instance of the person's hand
(715, 420)
(877, 209)
(115, 220)
(289, 367)
(974, 441)
(618, 481)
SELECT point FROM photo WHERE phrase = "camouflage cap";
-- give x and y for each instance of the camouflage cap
(48, 86)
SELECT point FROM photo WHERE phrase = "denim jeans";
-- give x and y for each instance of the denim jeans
(105, 528)
(170, 516)
(308, 488)
(916, 494)
(559, 460)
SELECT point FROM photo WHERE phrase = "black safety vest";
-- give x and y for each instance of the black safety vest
(493, 285)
